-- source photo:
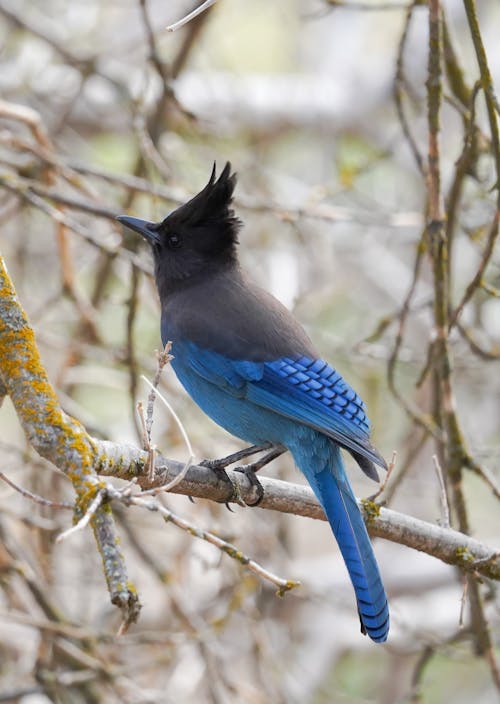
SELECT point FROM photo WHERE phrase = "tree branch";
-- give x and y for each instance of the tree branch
(450, 546)
(57, 437)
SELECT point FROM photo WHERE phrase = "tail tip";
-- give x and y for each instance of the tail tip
(377, 633)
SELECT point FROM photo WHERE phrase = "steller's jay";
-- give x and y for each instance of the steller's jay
(250, 366)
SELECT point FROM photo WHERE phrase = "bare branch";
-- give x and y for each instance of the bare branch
(283, 585)
(127, 461)
(191, 15)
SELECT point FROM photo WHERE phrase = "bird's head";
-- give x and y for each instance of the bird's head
(199, 236)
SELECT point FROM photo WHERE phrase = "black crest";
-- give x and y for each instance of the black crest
(211, 208)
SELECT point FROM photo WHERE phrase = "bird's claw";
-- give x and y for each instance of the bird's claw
(223, 476)
(249, 473)
(249, 470)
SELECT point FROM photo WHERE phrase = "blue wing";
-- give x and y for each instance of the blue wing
(314, 393)
(306, 390)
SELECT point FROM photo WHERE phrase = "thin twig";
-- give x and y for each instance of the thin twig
(399, 83)
(174, 415)
(416, 439)
(490, 355)
(485, 474)
(163, 358)
(283, 585)
(390, 469)
(146, 443)
(463, 602)
(86, 518)
(427, 654)
(148, 148)
(413, 412)
(478, 276)
(35, 497)
(445, 521)
(191, 15)
(142, 419)
(29, 192)
(29, 117)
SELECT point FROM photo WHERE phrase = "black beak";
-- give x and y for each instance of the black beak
(147, 229)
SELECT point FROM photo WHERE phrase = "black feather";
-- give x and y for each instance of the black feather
(366, 464)
(198, 238)
(209, 213)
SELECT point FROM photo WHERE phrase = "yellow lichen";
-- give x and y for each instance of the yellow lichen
(463, 554)
(371, 509)
(56, 436)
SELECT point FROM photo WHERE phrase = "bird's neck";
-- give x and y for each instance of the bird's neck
(209, 274)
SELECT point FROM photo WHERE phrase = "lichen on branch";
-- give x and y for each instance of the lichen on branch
(56, 436)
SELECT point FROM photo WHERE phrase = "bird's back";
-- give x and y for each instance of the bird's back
(227, 313)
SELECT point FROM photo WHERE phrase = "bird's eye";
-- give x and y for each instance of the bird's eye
(174, 241)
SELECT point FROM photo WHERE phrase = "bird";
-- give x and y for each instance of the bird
(249, 364)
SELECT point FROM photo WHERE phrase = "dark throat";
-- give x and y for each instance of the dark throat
(169, 283)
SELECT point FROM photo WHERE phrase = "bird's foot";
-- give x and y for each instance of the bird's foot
(249, 470)
(218, 468)
(224, 462)
(257, 488)
(223, 476)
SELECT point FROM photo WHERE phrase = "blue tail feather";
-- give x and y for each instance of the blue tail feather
(334, 492)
